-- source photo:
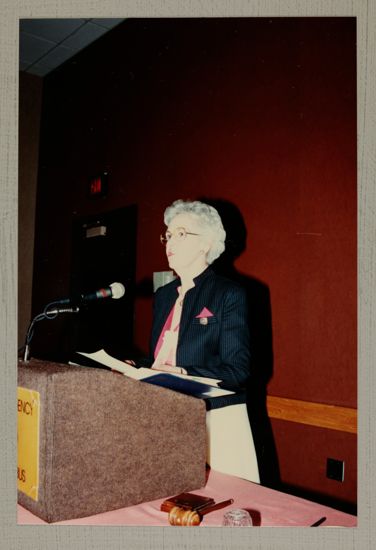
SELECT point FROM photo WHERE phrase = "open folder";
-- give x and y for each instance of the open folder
(197, 386)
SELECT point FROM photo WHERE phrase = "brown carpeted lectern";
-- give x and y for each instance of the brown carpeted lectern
(91, 440)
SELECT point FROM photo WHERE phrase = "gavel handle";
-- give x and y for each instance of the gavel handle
(180, 516)
(214, 507)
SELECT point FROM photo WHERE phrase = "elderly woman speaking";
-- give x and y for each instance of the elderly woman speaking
(200, 328)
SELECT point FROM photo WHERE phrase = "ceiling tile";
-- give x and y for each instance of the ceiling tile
(38, 70)
(108, 23)
(32, 47)
(84, 36)
(51, 29)
(23, 66)
(56, 57)
(47, 43)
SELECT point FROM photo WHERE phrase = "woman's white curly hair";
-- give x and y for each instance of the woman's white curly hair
(207, 217)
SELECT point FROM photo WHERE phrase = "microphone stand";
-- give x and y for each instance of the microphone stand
(47, 314)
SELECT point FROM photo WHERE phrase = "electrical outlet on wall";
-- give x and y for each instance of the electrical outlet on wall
(335, 469)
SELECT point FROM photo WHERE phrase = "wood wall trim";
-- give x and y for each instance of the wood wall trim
(332, 417)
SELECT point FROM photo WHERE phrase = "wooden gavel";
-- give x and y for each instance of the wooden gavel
(183, 517)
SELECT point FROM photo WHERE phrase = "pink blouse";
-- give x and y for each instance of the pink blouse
(165, 350)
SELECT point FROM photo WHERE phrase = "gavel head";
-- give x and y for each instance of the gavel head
(179, 516)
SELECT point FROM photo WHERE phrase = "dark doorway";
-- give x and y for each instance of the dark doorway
(104, 252)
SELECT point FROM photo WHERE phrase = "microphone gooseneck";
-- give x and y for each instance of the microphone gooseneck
(56, 310)
(115, 291)
(47, 314)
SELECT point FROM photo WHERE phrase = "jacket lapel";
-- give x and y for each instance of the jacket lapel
(162, 310)
(189, 304)
(194, 298)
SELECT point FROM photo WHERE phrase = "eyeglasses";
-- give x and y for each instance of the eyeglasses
(179, 233)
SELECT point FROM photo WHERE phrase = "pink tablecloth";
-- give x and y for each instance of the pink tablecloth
(266, 506)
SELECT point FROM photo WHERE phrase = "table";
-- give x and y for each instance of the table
(267, 507)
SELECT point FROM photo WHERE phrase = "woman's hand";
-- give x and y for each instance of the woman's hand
(169, 368)
(128, 362)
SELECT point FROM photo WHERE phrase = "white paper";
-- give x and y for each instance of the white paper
(103, 357)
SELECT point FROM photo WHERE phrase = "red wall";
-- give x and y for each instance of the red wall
(258, 112)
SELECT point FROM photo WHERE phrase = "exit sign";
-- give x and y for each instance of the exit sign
(98, 185)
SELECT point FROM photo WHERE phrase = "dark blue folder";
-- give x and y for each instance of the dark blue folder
(182, 385)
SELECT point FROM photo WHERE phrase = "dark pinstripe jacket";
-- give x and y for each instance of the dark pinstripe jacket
(218, 347)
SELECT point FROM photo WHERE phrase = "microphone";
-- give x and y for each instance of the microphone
(115, 291)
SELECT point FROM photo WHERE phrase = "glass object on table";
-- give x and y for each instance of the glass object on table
(237, 518)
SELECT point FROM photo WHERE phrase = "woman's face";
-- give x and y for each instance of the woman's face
(186, 245)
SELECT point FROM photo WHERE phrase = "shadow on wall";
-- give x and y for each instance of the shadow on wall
(260, 322)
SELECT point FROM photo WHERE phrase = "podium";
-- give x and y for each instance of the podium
(91, 440)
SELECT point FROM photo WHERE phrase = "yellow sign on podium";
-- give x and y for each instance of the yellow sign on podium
(28, 409)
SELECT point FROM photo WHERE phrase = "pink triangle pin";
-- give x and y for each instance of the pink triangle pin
(204, 313)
